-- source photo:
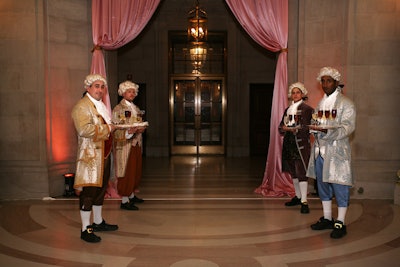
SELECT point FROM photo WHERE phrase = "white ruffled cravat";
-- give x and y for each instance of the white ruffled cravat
(101, 108)
(328, 102)
(131, 107)
(292, 109)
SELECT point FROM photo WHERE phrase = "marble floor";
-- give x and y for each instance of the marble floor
(199, 212)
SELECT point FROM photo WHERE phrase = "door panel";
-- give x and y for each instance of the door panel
(197, 116)
(260, 116)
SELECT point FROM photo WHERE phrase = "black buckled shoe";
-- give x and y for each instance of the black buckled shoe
(339, 230)
(322, 224)
(128, 206)
(103, 227)
(89, 236)
(135, 199)
(293, 202)
(304, 208)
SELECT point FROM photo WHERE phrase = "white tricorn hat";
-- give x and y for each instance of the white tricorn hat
(329, 71)
(298, 85)
(127, 85)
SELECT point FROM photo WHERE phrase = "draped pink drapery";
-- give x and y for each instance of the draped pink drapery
(266, 21)
(114, 24)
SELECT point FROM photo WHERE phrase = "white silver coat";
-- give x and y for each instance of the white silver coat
(337, 156)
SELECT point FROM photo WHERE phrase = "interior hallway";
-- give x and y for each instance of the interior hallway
(199, 212)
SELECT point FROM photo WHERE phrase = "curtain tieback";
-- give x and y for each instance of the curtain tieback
(96, 47)
(283, 50)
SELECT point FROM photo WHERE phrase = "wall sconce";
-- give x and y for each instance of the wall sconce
(69, 179)
(197, 28)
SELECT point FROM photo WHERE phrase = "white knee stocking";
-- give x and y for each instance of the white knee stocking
(327, 208)
(303, 190)
(341, 213)
(296, 187)
(97, 216)
(85, 218)
(124, 200)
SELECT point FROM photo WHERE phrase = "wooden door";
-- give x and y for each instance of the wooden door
(260, 116)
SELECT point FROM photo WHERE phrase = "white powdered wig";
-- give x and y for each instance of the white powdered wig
(299, 85)
(127, 85)
(91, 78)
(329, 71)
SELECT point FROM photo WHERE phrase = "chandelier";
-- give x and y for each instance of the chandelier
(197, 24)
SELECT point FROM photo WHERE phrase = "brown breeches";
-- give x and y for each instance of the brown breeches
(92, 195)
(133, 173)
(296, 169)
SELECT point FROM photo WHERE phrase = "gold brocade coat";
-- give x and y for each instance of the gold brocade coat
(92, 133)
(122, 145)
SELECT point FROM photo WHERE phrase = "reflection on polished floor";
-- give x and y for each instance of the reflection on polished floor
(199, 212)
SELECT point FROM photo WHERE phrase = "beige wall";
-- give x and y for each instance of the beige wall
(68, 42)
(23, 149)
(46, 55)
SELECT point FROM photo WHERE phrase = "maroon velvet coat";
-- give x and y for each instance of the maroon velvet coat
(296, 147)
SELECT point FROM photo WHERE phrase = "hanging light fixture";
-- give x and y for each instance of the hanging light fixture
(198, 56)
(197, 25)
(197, 37)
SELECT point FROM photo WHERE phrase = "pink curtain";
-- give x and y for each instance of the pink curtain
(266, 21)
(114, 24)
